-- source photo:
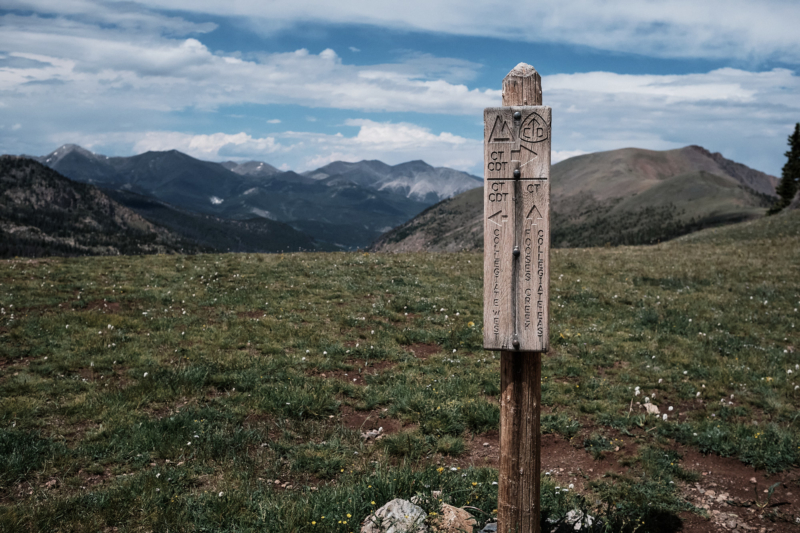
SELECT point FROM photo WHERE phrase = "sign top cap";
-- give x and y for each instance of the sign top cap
(523, 70)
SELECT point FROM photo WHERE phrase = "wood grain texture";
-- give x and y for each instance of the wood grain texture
(528, 143)
(532, 288)
(516, 215)
(498, 262)
(522, 86)
(519, 507)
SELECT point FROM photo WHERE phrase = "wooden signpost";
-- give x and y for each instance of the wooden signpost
(516, 283)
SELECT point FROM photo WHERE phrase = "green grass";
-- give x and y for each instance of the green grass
(169, 393)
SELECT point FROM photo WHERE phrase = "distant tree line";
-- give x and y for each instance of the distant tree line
(790, 174)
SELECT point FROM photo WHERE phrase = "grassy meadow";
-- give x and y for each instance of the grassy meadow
(229, 392)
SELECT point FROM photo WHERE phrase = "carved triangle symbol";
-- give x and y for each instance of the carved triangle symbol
(501, 133)
(534, 213)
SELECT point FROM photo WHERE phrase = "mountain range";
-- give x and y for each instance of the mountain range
(341, 205)
(169, 201)
(627, 196)
(44, 213)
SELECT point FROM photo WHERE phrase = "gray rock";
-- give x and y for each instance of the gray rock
(397, 516)
(491, 527)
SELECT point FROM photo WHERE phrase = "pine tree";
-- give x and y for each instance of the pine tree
(790, 177)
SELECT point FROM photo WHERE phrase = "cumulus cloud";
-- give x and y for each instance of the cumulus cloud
(390, 142)
(556, 156)
(738, 29)
(301, 150)
(744, 115)
(159, 72)
(117, 75)
(214, 146)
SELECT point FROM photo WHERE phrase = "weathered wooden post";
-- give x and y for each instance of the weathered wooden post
(516, 283)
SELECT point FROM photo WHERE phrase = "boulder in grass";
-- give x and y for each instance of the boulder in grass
(453, 520)
(397, 516)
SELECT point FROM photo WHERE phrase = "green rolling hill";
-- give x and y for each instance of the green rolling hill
(629, 196)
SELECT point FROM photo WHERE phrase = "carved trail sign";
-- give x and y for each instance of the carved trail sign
(516, 284)
(516, 228)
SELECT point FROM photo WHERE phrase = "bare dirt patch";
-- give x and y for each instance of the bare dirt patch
(423, 351)
(482, 450)
(103, 306)
(369, 420)
(727, 492)
(358, 375)
(6, 362)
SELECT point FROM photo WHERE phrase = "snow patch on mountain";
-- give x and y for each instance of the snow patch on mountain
(414, 179)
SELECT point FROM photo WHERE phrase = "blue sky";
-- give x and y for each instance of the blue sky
(299, 84)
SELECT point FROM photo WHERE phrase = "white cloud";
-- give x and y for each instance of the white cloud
(274, 121)
(130, 17)
(556, 156)
(354, 49)
(390, 142)
(744, 115)
(94, 63)
(739, 29)
(215, 146)
(106, 77)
